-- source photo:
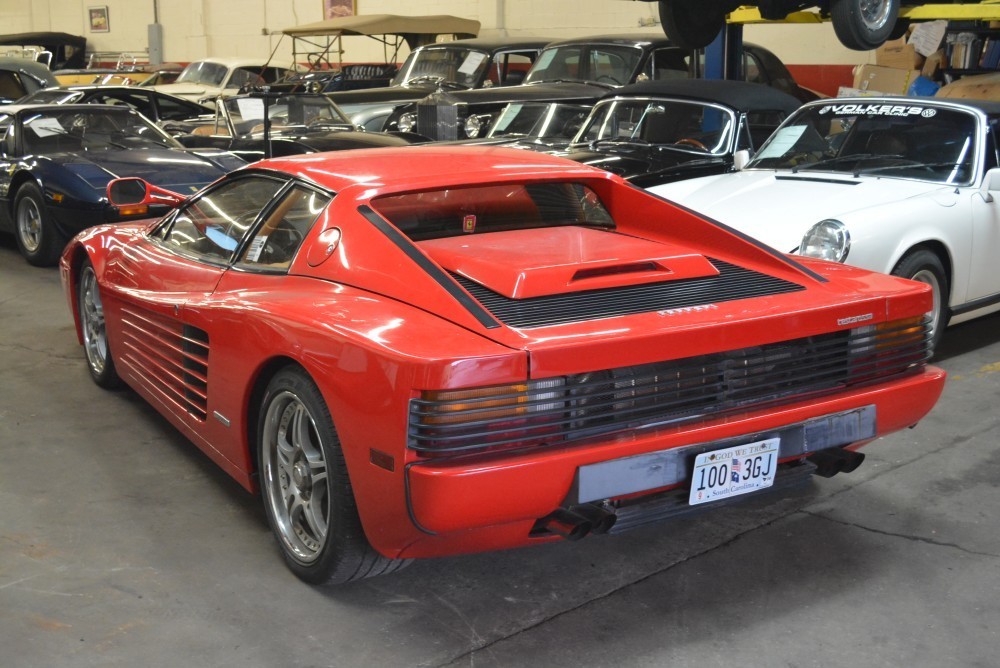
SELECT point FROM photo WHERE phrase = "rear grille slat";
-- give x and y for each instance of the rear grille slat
(572, 408)
(732, 283)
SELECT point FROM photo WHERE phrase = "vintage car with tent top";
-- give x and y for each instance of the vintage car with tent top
(437, 350)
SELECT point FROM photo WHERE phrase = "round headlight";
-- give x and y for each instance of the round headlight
(473, 124)
(407, 122)
(827, 240)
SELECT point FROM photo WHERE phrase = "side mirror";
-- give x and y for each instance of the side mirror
(740, 159)
(991, 184)
(133, 196)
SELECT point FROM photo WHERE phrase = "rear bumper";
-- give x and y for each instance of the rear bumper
(467, 506)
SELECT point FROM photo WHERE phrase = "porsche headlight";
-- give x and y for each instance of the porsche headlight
(407, 122)
(473, 125)
(827, 240)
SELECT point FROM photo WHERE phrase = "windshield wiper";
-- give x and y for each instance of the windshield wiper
(907, 164)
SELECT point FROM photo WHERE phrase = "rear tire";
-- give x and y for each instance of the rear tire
(863, 25)
(925, 266)
(305, 487)
(37, 237)
(692, 24)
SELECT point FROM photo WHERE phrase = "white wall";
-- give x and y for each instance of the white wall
(196, 28)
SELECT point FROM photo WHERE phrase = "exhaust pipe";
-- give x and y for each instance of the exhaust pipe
(565, 523)
(835, 460)
(600, 518)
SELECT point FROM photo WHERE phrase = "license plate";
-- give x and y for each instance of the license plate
(741, 469)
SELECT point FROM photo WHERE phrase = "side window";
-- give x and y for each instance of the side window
(278, 238)
(171, 110)
(11, 87)
(752, 71)
(6, 136)
(245, 76)
(670, 63)
(512, 68)
(212, 226)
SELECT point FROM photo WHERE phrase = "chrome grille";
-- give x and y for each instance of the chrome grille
(168, 357)
(580, 406)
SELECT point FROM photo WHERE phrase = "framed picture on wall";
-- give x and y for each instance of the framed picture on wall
(333, 9)
(99, 19)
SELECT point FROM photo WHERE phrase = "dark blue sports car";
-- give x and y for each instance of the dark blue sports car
(56, 161)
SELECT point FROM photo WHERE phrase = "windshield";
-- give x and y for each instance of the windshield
(55, 131)
(452, 65)
(614, 65)
(49, 96)
(545, 120)
(302, 112)
(209, 74)
(909, 140)
(686, 126)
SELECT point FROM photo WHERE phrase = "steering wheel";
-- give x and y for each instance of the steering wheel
(688, 141)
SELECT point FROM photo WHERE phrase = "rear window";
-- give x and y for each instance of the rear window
(480, 209)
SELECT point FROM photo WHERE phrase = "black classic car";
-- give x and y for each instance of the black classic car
(20, 76)
(56, 162)
(579, 71)
(161, 108)
(661, 131)
(459, 65)
(270, 124)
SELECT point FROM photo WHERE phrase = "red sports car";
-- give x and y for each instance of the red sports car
(428, 351)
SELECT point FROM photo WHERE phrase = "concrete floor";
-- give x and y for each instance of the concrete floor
(122, 545)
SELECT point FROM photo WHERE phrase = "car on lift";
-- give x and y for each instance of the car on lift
(575, 71)
(161, 108)
(859, 24)
(55, 161)
(657, 132)
(447, 349)
(457, 65)
(906, 186)
(273, 123)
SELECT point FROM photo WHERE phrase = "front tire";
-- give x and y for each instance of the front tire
(692, 24)
(863, 25)
(95, 337)
(37, 237)
(305, 487)
(925, 266)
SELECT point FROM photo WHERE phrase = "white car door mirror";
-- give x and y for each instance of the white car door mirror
(991, 184)
(741, 158)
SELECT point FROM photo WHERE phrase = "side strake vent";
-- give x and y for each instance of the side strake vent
(732, 283)
(170, 358)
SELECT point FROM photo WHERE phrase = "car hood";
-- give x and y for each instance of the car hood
(547, 289)
(779, 207)
(343, 140)
(566, 90)
(383, 95)
(187, 90)
(183, 172)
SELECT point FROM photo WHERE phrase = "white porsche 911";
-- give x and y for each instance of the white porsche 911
(906, 186)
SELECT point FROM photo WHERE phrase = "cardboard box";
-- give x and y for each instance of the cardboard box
(898, 54)
(887, 80)
(933, 63)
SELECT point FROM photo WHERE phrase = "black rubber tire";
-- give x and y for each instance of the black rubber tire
(925, 266)
(38, 240)
(96, 347)
(692, 24)
(342, 553)
(857, 32)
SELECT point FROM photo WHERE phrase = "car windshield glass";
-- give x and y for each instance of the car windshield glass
(544, 120)
(285, 111)
(687, 126)
(49, 96)
(209, 74)
(917, 141)
(53, 131)
(614, 65)
(450, 65)
(493, 208)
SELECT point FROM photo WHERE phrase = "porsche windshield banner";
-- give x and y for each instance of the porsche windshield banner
(877, 110)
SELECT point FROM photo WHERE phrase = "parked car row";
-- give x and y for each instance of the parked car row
(460, 319)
